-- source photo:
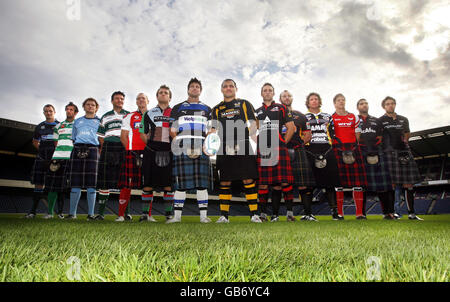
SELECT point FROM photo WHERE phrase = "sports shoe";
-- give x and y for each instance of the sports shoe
(274, 218)
(337, 216)
(414, 217)
(290, 218)
(48, 216)
(256, 219)
(128, 217)
(90, 218)
(223, 219)
(99, 217)
(169, 217)
(173, 220)
(120, 219)
(143, 217)
(70, 217)
(309, 218)
(151, 219)
(205, 220)
(31, 215)
(263, 217)
(388, 217)
(60, 216)
(362, 217)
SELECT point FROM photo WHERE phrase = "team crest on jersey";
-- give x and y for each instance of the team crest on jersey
(237, 105)
(137, 125)
(222, 107)
(275, 109)
(136, 117)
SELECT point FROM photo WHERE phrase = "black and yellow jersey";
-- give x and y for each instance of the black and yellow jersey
(321, 126)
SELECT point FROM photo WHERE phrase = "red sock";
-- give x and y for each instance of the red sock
(124, 199)
(340, 201)
(358, 197)
(150, 208)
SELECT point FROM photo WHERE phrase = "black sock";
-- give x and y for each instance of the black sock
(331, 196)
(409, 197)
(38, 194)
(60, 202)
(276, 200)
(306, 196)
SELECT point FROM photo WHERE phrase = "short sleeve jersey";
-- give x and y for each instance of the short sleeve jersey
(370, 129)
(393, 131)
(236, 114)
(156, 122)
(272, 118)
(132, 123)
(321, 127)
(300, 128)
(43, 133)
(63, 137)
(110, 125)
(345, 128)
(84, 130)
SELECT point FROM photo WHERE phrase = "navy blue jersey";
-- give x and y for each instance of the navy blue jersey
(43, 133)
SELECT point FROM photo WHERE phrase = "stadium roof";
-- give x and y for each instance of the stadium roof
(16, 139)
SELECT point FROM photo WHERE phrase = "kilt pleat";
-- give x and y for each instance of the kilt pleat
(351, 175)
(111, 159)
(301, 169)
(83, 171)
(41, 163)
(402, 174)
(130, 174)
(191, 173)
(378, 177)
(275, 172)
(58, 181)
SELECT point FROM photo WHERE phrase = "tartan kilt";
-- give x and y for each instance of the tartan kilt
(278, 173)
(83, 171)
(353, 175)
(57, 181)
(327, 177)
(301, 169)
(378, 177)
(237, 167)
(41, 163)
(130, 174)
(155, 176)
(191, 173)
(111, 158)
(402, 174)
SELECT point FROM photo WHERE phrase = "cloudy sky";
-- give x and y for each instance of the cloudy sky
(60, 51)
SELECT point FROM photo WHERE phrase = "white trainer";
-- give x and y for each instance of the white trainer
(173, 220)
(256, 219)
(120, 219)
(151, 219)
(30, 215)
(223, 219)
(205, 220)
(48, 216)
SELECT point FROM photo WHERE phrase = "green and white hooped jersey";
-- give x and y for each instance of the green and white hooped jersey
(62, 133)
(111, 125)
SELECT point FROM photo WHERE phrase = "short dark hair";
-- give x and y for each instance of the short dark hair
(310, 95)
(195, 80)
(49, 105)
(336, 96)
(229, 80)
(92, 100)
(387, 99)
(359, 101)
(73, 105)
(164, 87)
(267, 84)
(117, 93)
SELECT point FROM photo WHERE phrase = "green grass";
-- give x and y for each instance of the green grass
(38, 250)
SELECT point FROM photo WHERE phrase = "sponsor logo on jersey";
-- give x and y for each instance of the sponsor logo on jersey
(230, 113)
(136, 125)
(318, 128)
(275, 109)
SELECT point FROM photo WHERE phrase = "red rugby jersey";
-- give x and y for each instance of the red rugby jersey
(346, 127)
(131, 123)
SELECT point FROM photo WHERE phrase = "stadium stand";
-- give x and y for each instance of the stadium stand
(431, 149)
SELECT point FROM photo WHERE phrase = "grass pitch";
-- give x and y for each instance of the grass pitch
(39, 250)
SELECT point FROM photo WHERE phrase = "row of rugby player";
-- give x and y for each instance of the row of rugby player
(132, 150)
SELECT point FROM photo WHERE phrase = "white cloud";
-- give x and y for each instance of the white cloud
(362, 49)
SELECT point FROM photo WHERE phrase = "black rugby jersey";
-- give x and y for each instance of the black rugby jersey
(44, 133)
(157, 122)
(234, 113)
(370, 129)
(272, 118)
(321, 126)
(300, 127)
(394, 131)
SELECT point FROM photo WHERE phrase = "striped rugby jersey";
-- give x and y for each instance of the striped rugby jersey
(63, 135)
(321, 127)
(111, 125)
(190, 120)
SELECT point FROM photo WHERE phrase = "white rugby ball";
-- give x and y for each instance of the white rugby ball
(211, 144)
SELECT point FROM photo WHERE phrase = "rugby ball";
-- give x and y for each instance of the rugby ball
(211, 144)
